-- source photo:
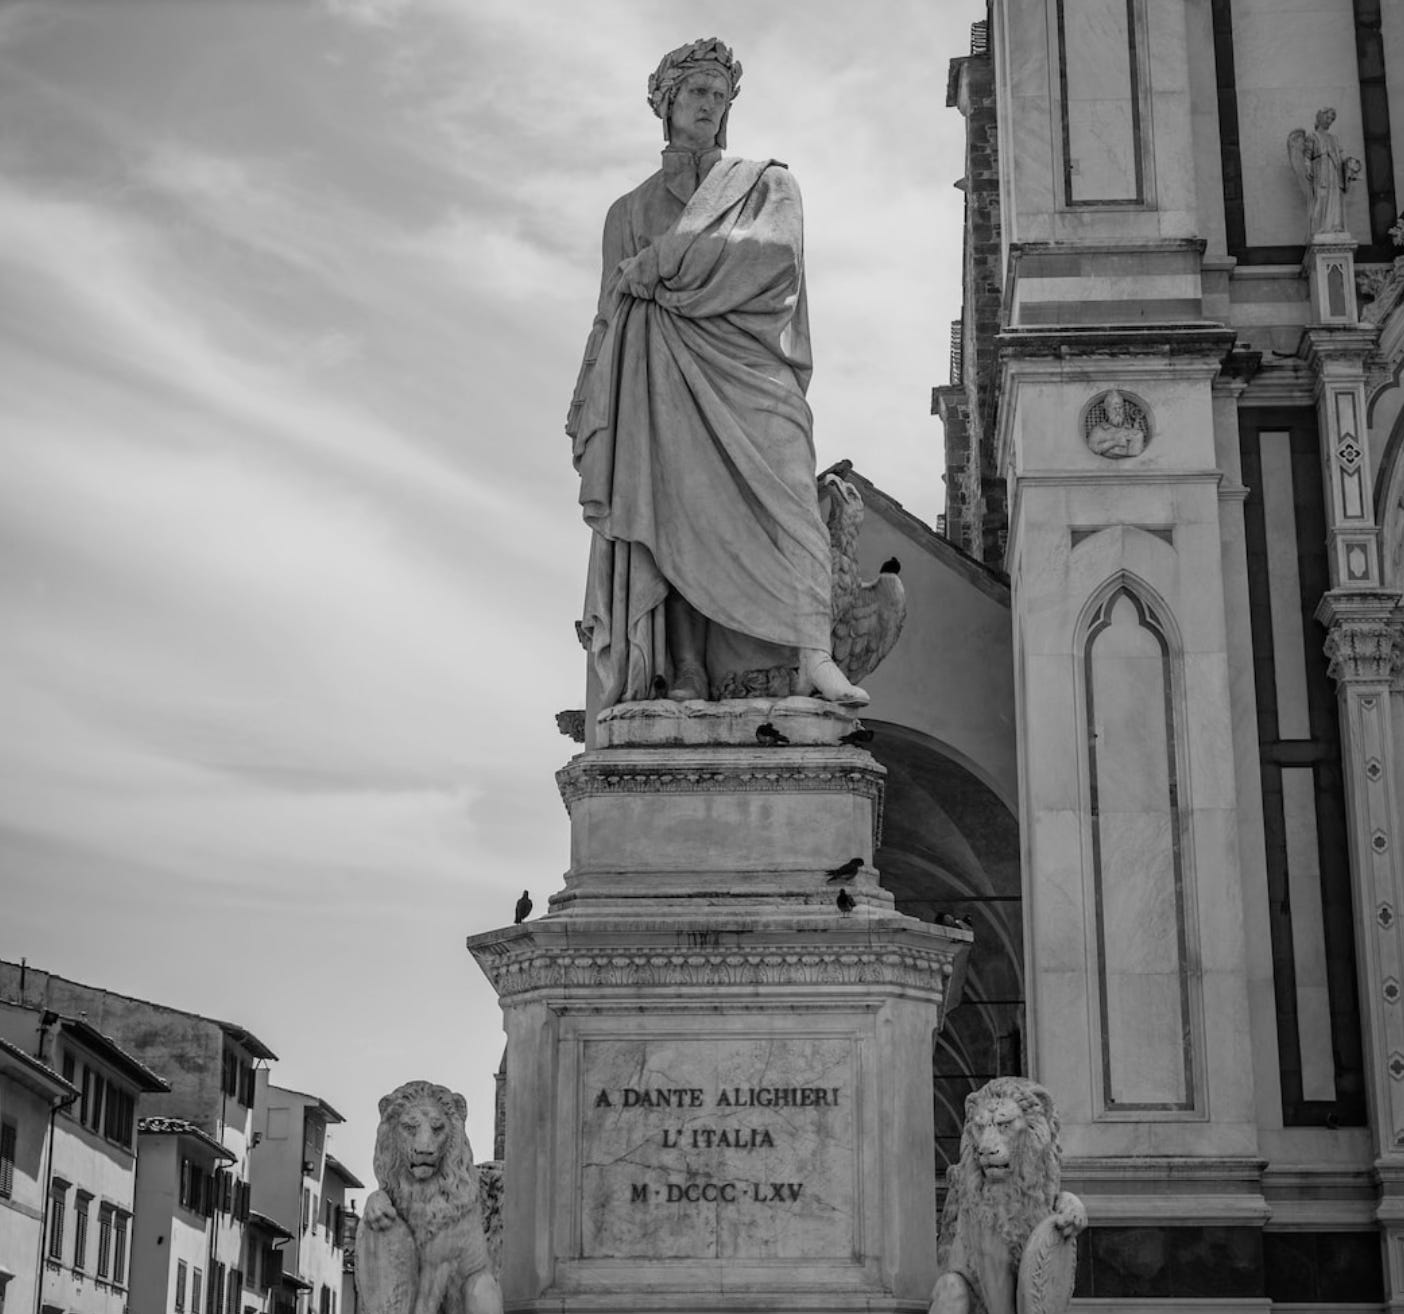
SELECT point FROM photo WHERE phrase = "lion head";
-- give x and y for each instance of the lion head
(423, 1161)
(1010, 1161)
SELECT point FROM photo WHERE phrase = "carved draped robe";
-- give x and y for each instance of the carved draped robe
(691, 431)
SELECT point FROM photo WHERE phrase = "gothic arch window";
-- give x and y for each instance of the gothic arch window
(1146, 998)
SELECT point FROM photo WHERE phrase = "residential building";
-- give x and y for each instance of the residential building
(1175, 436)
(91, 1176)
(180, 1174)
(31, 1095)
(212, 1065)
(350, 1223)
(301, 1186)
(265, 1289)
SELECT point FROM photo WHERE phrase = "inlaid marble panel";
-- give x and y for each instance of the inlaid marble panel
(1101, 115)
(1138, 863)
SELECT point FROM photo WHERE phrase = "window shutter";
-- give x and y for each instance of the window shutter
(9, 1133)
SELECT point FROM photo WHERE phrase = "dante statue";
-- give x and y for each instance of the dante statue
(1323, 172)
(689, 424)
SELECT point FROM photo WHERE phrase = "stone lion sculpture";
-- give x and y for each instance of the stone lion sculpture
(420, 1248)
(1008, 1231)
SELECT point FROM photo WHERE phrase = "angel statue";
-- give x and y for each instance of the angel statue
(1323, 172)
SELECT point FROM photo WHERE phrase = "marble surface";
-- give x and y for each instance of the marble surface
(718, 1149)
(664, 723)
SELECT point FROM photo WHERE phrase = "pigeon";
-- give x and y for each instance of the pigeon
(844, 902)
(849, 869)
(945, 919)
(860, 734)
(660, 687)
(769, 736)
(523, 908)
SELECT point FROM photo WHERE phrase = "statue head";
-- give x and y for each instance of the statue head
(1325, 117)
(1115, 406)
(707, 55)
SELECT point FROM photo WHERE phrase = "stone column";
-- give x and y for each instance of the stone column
(1337, 357)
(1365, 646)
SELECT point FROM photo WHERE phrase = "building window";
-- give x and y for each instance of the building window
(56, 1207)
(104, 1255)
(196, 1279)
(238, 1078)
(80, 1230)
(119, 1251)
(306, 1208)
(119, 1118)
(236, 1291)
(9, 1134)
(324, 1305)
(270, 1267)
(70, 1066)
(93, 1104)
(180, 1286)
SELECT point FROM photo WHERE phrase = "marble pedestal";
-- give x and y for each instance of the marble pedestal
(719, 1091)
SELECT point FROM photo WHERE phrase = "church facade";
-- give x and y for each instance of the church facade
(1175, 451)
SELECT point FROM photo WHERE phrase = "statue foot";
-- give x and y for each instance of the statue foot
(689, 682)
(819, 674)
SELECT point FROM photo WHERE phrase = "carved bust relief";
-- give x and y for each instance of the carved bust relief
(1116, 425)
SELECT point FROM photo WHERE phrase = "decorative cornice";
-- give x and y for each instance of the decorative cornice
(581, 778)
(515, 971)
(1159, 340)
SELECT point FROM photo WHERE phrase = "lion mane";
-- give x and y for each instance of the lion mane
(432, 1206)
(1012, 1207)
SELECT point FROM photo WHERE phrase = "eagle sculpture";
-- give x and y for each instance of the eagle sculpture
(867, 617)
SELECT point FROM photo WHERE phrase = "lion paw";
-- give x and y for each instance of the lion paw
(379, 1214)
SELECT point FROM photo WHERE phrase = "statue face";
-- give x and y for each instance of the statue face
(1324, 119)
(1116, 410)
(698, 105)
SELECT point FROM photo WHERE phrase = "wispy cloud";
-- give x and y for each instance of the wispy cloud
(289, 547)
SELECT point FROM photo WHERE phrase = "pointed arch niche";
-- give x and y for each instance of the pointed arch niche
(1145, 995)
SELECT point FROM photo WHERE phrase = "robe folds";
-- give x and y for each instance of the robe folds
(691, 431)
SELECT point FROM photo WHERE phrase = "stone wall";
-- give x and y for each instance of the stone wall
(976, 514)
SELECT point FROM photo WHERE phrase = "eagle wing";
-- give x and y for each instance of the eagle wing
(873, 623)
(845, 518)
(1300, 159)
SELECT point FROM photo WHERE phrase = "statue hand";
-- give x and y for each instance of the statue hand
(1069, 1215)
(379, 1213)
(638, 275)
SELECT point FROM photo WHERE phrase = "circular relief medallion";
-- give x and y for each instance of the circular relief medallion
(1116, 425)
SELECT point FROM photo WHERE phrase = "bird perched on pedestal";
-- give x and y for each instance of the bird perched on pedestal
(844, 903)
(523, 909)
(769, 737)
(867, 617)
(847, 871)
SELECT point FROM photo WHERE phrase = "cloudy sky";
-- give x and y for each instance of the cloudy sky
(294, 293)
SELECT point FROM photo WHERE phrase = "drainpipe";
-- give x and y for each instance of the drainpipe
(58, 1102)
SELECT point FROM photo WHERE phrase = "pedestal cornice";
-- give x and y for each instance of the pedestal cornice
(600, 958)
